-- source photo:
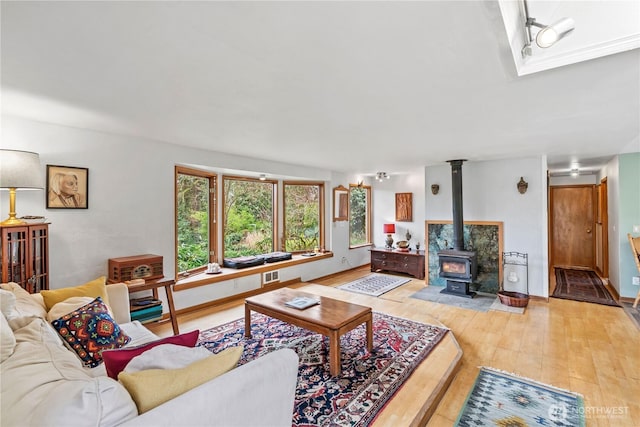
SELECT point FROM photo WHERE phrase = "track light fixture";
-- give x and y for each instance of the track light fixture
(381, 176)
(548, 35)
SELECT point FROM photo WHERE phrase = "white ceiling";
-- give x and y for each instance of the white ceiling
(348, 86)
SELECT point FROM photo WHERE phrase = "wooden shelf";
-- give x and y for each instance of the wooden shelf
(153, 286)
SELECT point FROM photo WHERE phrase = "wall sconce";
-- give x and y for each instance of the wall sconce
(522, 185)
(389, 229)
(19, 170)
(360, 184)
(435, 188)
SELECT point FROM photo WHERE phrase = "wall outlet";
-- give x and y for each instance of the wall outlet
(636, 228)
(344, 259)
(635, 280)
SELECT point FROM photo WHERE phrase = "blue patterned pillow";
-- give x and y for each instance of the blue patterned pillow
(89, 330)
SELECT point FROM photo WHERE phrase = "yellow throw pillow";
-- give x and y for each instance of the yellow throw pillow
(153, 387)
(95, 288)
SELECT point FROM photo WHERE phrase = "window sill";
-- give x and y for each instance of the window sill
(363, 245)
(202, 279)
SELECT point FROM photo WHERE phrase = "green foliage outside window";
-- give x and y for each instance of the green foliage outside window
(358, 216)
(192, 200)
(302, 217)
(248, 217)
(248, 214)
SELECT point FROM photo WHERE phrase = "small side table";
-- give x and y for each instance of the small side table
(153, 285)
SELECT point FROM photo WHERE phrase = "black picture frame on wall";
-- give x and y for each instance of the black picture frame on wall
(67, 187)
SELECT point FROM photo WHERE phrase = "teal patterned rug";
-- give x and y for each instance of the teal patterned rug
(502, 399)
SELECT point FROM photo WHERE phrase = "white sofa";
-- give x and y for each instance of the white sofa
(44, 384)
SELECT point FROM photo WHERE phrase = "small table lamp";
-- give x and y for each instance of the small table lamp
(389, 229)
(19, 170)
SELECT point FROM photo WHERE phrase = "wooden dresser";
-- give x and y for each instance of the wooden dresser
(411, 262)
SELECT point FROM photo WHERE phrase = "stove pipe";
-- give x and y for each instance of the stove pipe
(456, 188)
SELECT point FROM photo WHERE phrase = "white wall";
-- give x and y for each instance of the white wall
(490, 194)
(574, 180)
(384, 207)
(131, 204)
(348, 258)
(613, 217)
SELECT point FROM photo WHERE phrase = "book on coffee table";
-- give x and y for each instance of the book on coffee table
(302, 302)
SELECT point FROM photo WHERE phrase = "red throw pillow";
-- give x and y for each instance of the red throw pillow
(115, 361)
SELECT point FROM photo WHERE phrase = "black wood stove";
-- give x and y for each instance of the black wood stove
(458, 266)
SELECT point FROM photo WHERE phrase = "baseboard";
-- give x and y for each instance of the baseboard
(329, 276)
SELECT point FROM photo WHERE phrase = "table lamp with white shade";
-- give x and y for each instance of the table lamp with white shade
(19, 170)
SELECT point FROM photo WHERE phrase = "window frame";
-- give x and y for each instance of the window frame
(213, 210)
(321, 211)
(368, 226)
(274, 207)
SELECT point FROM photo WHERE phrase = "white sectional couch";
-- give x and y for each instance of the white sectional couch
(43, 383)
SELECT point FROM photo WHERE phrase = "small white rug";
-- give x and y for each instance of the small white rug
(374, 284)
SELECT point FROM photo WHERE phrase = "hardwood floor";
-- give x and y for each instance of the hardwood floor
(586, 348)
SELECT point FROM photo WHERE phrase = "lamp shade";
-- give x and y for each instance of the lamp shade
(389, 228)
(20, 169)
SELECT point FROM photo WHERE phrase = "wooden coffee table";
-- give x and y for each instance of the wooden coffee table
(331, 318)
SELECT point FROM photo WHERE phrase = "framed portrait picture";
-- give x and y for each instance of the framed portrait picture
(404, 207)
(67, 187)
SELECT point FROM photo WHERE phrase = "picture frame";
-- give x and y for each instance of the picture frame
(67, 187)
(340, 203)
(404, 207)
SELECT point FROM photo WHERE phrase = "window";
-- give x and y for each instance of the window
(195, 219)
(359, 215)
(303, 216)
(248, 216)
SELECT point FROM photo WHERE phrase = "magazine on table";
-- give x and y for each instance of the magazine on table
(302, 302)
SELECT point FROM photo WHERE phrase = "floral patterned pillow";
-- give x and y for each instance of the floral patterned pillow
(90, 330)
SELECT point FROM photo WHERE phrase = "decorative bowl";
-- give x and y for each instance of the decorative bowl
(403, 244)
(30, 219)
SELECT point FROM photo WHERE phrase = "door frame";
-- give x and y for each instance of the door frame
(552, 249)
(602, 218)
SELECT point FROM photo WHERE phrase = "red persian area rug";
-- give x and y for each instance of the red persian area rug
(368, 380)
(582, 285)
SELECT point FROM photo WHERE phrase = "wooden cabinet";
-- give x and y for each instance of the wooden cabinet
(401, 262)
(24, 251)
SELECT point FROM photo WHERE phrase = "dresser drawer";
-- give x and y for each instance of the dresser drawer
(401, 262)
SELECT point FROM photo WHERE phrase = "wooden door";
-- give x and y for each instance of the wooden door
(572, 239)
